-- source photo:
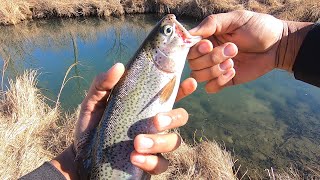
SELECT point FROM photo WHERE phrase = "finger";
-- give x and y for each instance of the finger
(221, 23)
(95, 99)
(187, 87)
(150, 163)
(212, 72)
(220, 82)
(169, 120)
(104, 82)
(203, 47)
(216, 56)
(156, 143)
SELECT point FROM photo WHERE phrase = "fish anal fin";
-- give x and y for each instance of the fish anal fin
(168, 90)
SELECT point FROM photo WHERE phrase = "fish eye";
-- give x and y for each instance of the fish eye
(167, 30)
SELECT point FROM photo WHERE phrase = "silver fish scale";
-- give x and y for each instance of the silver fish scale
(122, 120)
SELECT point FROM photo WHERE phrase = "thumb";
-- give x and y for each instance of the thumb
(221, 23)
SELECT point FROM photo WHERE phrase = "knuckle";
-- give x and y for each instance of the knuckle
(192, 52)
(137, 140)
(210, 19)
(157, 171)
(85, 108)
(213, 72)
(97, 81)
(213, 58)
(159, 140)
(156, 122)
(160, 167)
(240, 13)
(174, 143)
(221, 82)
(179, 140)
(212, 87)
(196, 75)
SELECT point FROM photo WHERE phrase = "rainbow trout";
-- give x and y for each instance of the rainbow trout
(148, 86)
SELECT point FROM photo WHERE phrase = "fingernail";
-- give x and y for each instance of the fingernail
(204, 48)
(164, 121)
(139, 159)
(117, 64)
(227, 64)
(146, 143)
(228, 74)
(229, 50)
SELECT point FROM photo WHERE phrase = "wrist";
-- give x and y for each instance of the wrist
(65, 163)
(289, 45)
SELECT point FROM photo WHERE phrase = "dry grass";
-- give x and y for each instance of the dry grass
(31, 132)
(23, 126)
(15, 11)
(27, 125)
(205, 160)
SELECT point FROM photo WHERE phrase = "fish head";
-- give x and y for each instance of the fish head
(170, 43)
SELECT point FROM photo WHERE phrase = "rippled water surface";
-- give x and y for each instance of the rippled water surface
(271, 122)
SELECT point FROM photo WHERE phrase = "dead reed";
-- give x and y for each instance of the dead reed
(206, 160)
(15, 11)
(27, 124)
(25, 119)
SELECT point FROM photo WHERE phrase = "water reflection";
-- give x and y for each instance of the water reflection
(95, 45)
(271, 122)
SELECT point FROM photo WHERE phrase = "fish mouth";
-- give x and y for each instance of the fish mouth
(186, 37)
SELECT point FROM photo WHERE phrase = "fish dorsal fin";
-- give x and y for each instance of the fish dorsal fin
(168, 90)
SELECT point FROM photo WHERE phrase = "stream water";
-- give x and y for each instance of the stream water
(271, 122)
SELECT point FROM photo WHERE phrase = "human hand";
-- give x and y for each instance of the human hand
(246, 44)
(91, 112)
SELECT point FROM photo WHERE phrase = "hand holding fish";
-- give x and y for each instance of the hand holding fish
(241, 46)
(92, 109)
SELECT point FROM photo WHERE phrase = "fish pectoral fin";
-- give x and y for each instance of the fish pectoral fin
(167, 90)
(164, 94)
